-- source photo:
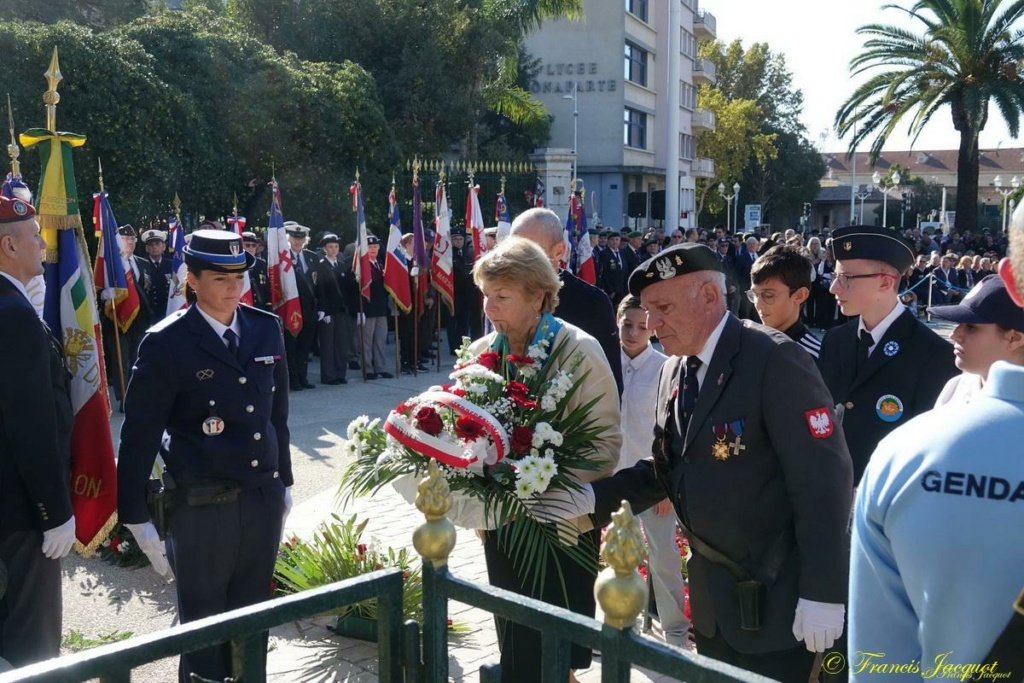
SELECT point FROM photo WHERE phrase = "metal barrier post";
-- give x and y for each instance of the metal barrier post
(434, 540)
(620, 591)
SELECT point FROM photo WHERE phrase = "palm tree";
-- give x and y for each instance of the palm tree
(969, 55)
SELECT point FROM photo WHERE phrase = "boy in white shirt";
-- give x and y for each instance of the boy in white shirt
(641, 367)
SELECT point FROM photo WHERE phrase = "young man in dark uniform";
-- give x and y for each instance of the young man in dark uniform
(333, 279)
(300, 346)
(613, 271)
(884, 366)
(156, 273)
(259, 280)
(209, 393)
(781, 283)
(37, 522)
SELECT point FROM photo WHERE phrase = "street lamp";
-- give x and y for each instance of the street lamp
(1005, 192)
(575, 124)
(863, 194)
(728, 205)
(894, 181)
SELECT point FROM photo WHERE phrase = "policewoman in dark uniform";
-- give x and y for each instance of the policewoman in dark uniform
(884, 366)
(214, 377)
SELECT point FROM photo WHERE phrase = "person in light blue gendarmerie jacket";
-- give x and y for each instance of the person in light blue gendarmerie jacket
(214, 378)
(937, 557)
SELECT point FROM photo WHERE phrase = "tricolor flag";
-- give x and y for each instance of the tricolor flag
(284, 292)
(176, 248)
(236, 224)
(419, 245)
(441, 261)
(361, 264)
(503, 217)
(585, 269)
(70, 311)
(396, 266)
(117, 287)
(475, 221)
(538, 192)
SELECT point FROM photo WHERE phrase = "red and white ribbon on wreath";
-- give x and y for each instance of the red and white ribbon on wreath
(400, 426)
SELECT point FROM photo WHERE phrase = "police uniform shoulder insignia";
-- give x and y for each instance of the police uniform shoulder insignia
(891, 348)
(166, 322)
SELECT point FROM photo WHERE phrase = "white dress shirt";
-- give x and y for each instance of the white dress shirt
(882, 327)
(220, 328)
(708, 351)
(639, 404)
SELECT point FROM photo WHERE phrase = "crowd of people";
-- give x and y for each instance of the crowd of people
(745, 429)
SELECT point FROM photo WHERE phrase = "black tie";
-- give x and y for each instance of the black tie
(232, 339)
(690, 389)
(863, 344)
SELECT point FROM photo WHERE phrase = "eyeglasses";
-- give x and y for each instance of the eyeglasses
(769, 297)
(843, 280)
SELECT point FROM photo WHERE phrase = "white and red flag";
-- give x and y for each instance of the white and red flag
(361, 264)
(441, 261)
(284, 292)
(475, 221)
(396, 265)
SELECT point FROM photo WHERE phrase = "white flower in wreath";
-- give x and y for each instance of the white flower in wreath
(124, 547)
(548, 403)
(891, 348)
(357, 425)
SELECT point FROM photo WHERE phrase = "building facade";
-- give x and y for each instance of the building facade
(612, 69)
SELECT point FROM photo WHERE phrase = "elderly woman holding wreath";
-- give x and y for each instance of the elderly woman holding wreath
(520, 289)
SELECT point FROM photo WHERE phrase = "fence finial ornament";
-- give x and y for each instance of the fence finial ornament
(434, 540)
(619, 589)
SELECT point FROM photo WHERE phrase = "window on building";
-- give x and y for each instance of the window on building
(687, 44)
(635, 130)
(636, 64)
(687, 146)
(638, 8)
(687, 96)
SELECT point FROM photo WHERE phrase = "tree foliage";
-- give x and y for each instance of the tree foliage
(787, 174)
(97, 14)
(190, 103)
(967, 56)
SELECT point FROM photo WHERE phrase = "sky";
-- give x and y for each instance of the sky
(818, 39)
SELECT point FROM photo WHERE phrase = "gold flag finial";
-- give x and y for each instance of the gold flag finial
(177, 208)
(619, 589)
(503, 183)
(13, 150)
(434, 540)
(415, 169)
(441, 174)
(51, 97)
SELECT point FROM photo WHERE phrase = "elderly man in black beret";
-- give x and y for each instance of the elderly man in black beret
(747, 448)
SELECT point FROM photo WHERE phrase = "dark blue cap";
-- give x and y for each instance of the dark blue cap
(987, 303)
(219, 250)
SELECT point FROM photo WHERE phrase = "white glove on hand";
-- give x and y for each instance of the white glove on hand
(57, 542)
(559, 504)
(818, 624)
(147, 538)
(327, 319)
(287, 502)
(414, 271)
(360, 319)
(320, 316)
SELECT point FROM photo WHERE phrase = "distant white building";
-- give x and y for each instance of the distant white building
(617, 58)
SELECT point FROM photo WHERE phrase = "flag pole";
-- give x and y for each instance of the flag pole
(416, 280)
(357, 262)
(440, 177)
(113, 311)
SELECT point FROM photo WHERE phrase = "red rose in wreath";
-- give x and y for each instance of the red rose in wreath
(520, 395)
(490, 360)
(429, 421)
(467, 428)
(522, 439)
(520, 360)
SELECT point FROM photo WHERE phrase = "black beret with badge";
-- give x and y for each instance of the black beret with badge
(681, 259)
(873, 244)
(127, 230)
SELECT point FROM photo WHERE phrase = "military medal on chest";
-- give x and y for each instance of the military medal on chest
(720, 449)
(213, 425)
(728, 440)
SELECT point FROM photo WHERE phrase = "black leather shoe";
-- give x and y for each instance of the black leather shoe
(341, 381)
(295, 387)
(422, 368)
(371, 375)
(385, 375)
(308, 385)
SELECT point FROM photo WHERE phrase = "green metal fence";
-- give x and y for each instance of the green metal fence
(406, 654)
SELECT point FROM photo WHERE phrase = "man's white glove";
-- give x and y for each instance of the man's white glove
(559, 504)
(818, 624)
(147, 538)
(57, 542)
(414, 271)
(320, 316)
(108, 294)
(360, 318)
(287, 502)
(327, 319)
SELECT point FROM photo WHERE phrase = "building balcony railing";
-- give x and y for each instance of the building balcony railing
(705, 26)
(703, 71)
(703, 119)
(702, 168)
